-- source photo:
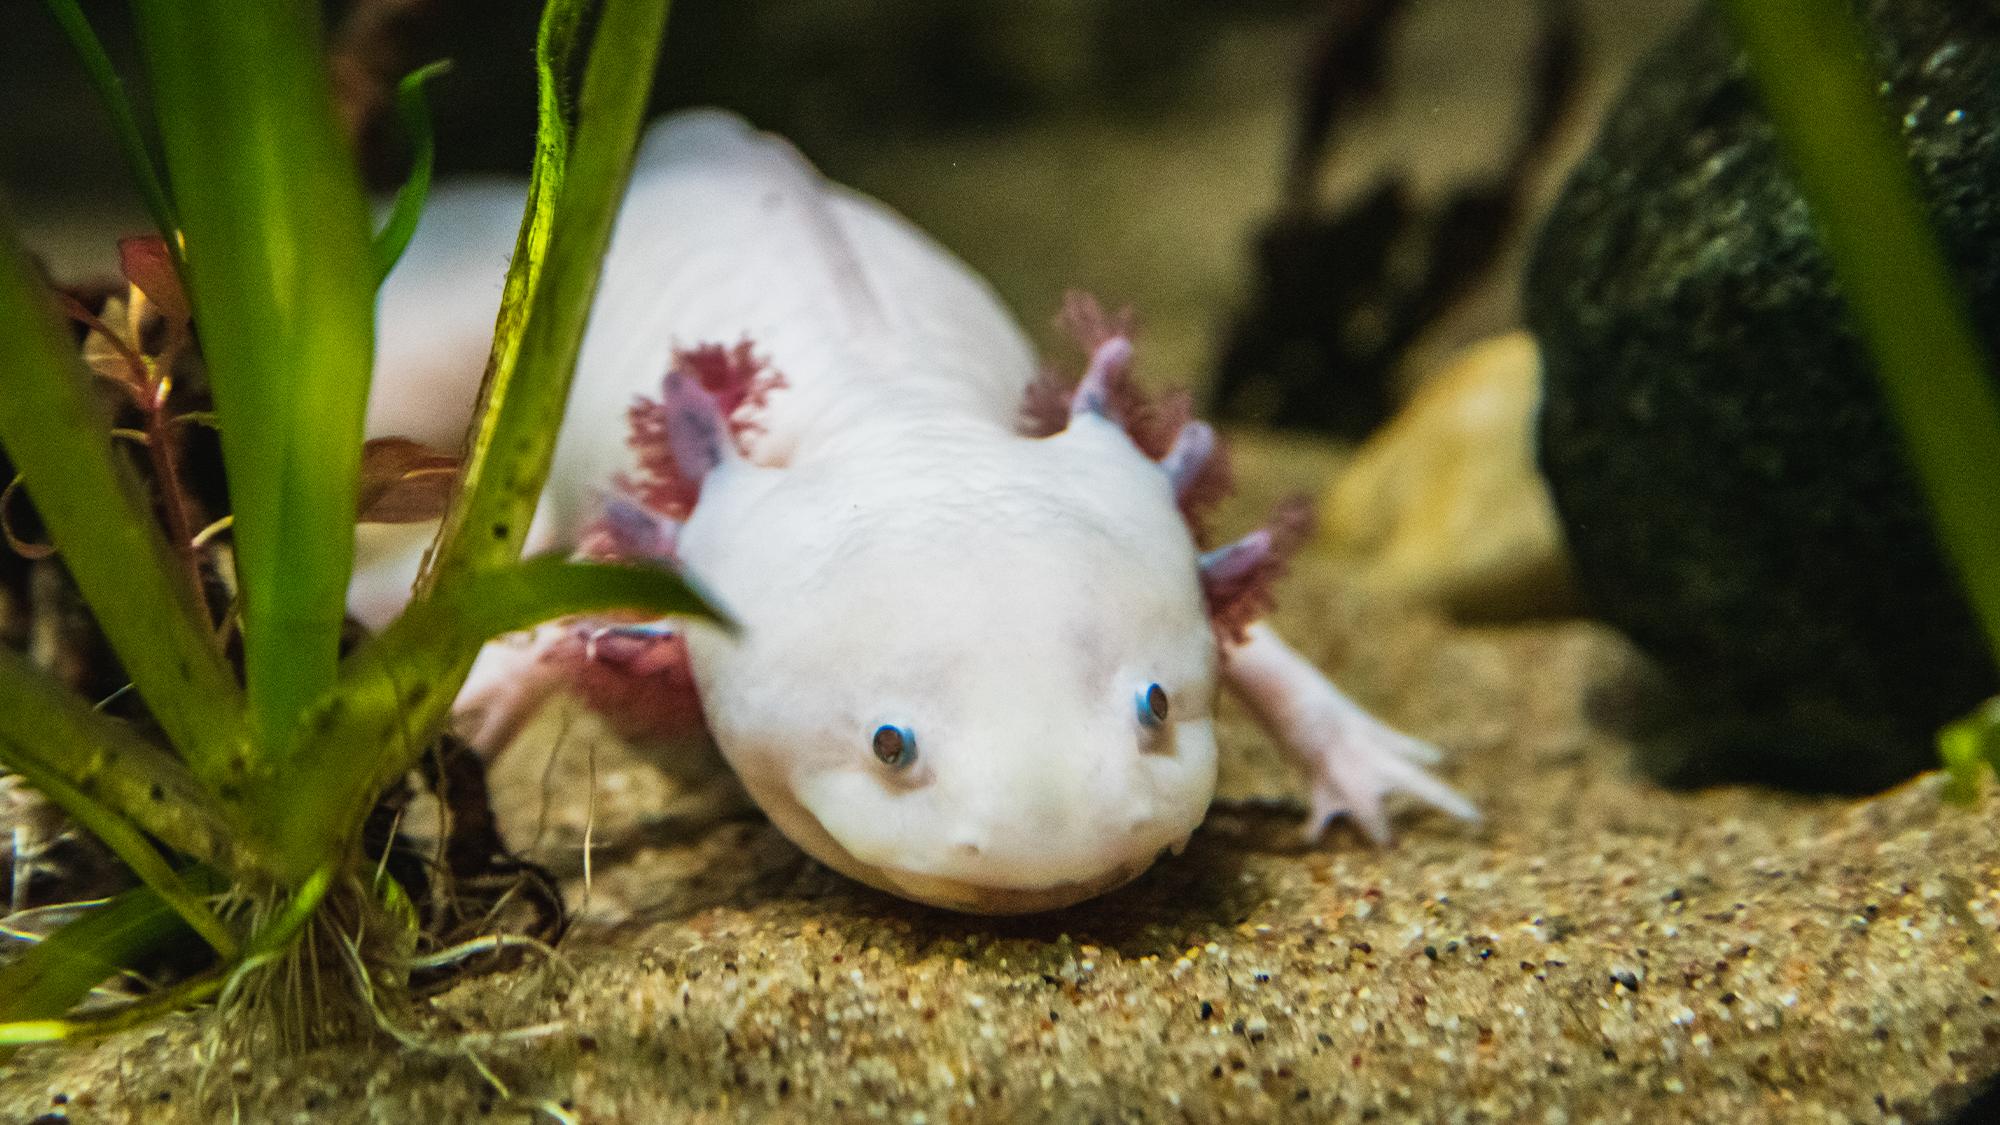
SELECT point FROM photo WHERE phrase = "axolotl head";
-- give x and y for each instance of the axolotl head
(988, 690)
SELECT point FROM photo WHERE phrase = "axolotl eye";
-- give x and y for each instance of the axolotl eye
(1152, 706)
(895, 746)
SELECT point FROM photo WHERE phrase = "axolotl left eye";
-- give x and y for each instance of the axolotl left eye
(895, 747)
(1152, 706)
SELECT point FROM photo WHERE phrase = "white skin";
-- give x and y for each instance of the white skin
(895, 553)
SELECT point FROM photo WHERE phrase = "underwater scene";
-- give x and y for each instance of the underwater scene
(1075, 561)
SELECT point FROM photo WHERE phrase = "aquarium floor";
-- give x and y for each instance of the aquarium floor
(1597, 949)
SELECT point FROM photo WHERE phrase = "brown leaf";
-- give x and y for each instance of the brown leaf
(147, 264)
(104, 350)
(404, 482)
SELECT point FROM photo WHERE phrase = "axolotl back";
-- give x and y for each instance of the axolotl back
(975, 667)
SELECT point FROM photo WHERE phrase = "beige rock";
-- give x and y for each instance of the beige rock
(1444, 505)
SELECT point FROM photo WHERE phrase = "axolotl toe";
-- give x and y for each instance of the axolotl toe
(979, 647)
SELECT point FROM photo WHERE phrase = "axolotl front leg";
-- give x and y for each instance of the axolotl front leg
(1351, 759)
(634, 673)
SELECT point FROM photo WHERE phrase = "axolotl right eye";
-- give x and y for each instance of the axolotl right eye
(895, 746)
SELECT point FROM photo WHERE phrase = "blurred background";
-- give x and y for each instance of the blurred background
(1135, 148)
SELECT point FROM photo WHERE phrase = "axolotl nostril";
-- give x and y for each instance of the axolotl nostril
(979, 647)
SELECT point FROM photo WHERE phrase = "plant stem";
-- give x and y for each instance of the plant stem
(126, 841)
(99, 518)
(163, 450)
(1811, 63)
(50, 727)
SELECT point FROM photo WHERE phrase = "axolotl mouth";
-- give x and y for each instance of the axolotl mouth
(971, 898)
(974, 898)
(952, 892)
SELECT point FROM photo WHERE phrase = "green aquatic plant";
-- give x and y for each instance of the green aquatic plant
(1811, 63)
(246, 829)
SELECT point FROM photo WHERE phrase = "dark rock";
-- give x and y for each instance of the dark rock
(1730, 483)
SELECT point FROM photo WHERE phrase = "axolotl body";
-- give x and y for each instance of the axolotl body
(977, 654)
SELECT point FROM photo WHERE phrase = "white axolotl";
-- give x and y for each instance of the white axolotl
(979, 649)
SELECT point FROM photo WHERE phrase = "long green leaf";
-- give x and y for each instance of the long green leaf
(125, 841)
(415, 111)
(53, 731)
(395, 695)
(583, 179)
(1811, 61)
(54, 974)
(558, 47)
(180, 997)
(99, 518)
(280, 272)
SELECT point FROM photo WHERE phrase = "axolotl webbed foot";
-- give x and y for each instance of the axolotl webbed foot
(634, 674)
(1352, 759)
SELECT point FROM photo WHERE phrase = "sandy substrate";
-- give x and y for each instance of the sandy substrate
(1597, 950)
